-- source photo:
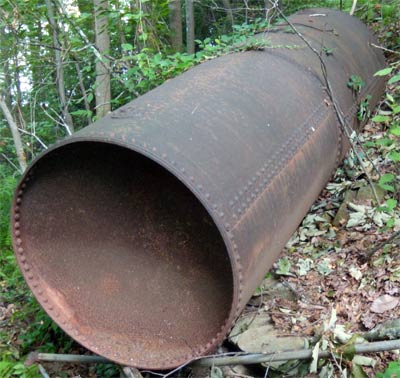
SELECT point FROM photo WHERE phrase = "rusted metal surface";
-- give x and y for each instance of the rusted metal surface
(144, 235)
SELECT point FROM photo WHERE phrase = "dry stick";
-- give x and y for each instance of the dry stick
(131, 372)
(73, 358)
(240, 359)
(373, 250)
(259, 358)
(34, 136)
(385, 49)
(43, 372)
(10, 162)
(335, 104)
(353, 7)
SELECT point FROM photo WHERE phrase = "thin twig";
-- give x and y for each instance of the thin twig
(235, 358)
(385, 49)
(373, 250)
(338, 365)
(11, 163)
(43, 371)
(347, 130)
(73, 358)
(353, 7)
(258, 358)
(131, 372)
(34, 136)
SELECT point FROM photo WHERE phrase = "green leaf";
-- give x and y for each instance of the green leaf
(82, 112)
(392, 371)
(384, 142)
(395, 130)
(127, 47)
(384, 72)
(324, 267)
(394, 156)
(396, 109)
(385, 180)
(284, 267)
(387, 177)
(391, 204)
(5, 368)
(380, 118)
(390, 98)
(394, 79)
(358, 372)
(216, 372)
(390, 223)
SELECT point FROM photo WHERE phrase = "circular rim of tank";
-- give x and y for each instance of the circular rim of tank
(46, 303)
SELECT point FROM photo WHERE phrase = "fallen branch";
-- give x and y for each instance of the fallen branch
(237, 359)
(385, 49)
(73, 358)
(379, 346)
(43, 372)
(353, 7)
(131, 372)
(373, 250)
(11, 163)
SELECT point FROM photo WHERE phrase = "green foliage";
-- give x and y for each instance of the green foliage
(284, 267)
(107, 371)
(356, 83)
(386, 182)
(364, 110)
(392, 371)
(12, 369)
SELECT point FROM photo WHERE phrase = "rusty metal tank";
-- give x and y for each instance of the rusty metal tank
(144, 235)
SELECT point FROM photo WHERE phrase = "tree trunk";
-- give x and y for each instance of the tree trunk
(19, 118)
(189, 26)
(59, 67)
(4, 53)
(175, 24)
(103, 78)
(15, 133)
(84, 93)
(228, 10)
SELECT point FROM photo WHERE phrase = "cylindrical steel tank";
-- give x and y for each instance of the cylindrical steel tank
(144, 234)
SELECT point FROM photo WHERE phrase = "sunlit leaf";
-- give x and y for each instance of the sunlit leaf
(395, 130)
(380, 118)
(394, 79)
(384, 72)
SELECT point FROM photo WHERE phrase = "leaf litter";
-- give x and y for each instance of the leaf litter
(325, 268)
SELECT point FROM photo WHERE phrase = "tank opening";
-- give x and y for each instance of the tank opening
(127, 256)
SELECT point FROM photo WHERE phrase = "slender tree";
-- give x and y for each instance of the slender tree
(103, 77)
(15, 133)
(190, 34)
(59, 66)
(175, 24)
(228, 10)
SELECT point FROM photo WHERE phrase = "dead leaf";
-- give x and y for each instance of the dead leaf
(384, 303)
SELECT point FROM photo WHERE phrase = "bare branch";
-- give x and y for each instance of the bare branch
(353, 7)
(16, 136)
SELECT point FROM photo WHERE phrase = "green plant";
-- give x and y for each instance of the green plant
(392, 371)
(355, 83)
(10, 368)
(364, 111)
